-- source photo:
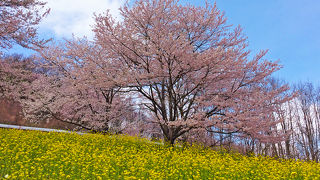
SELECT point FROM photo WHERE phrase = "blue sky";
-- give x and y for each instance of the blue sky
(290, 29)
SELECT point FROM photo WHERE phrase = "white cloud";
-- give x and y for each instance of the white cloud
(69, 17)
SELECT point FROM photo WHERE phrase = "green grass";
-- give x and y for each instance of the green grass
(41, 155)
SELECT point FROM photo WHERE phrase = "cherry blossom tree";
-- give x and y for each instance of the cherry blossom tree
(18, 20)
(77, 86)
(191, 68)
(64, 83)
(15, 75)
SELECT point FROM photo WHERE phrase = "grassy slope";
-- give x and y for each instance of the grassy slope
(39, 155)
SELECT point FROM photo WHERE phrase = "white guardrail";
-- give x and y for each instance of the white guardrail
(37, 129)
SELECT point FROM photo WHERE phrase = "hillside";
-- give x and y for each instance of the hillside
(40, 155)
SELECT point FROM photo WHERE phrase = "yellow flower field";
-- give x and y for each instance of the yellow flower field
(41, 155)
